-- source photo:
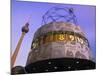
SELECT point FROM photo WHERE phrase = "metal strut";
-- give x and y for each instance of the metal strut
(56, 13)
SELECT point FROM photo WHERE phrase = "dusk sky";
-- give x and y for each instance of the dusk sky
(22, 10)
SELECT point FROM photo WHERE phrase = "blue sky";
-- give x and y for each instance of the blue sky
(22, 10)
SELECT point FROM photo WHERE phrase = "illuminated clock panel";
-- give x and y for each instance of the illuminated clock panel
(58, 26)
(60, 44)
(60, 36)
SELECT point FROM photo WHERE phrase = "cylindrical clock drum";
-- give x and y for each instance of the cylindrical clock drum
(59, 46)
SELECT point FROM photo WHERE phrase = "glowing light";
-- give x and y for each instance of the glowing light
(77, 62)
(71, 37)
(61, 37)
(69, 67)
(55, 67)
(49, 62)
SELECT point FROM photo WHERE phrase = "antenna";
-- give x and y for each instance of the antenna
(25, 29)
